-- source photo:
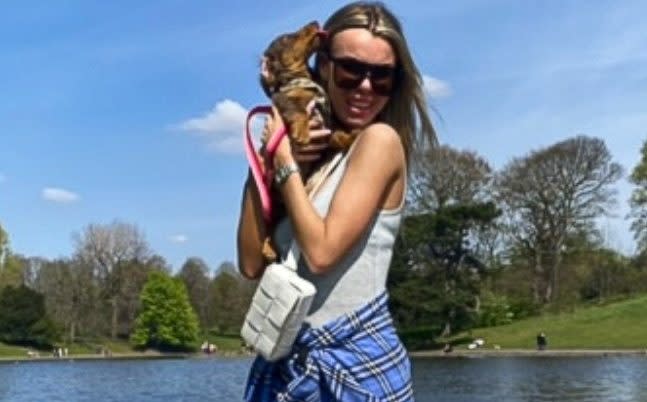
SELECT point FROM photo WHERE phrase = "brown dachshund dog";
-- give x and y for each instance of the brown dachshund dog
(288, 80)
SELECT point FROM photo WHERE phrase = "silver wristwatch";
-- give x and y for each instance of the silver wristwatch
(283, 172)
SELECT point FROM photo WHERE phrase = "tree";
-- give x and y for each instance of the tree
(134, 275)
(453, 177)
(71, 295)
(552, 193)
(436, 252)
(194, 274)
(166, 320)
(12, 269)
(12, 272)
(638, 200)
(4, 246)
(110, 250)
(449, 176)
(608, 274)
(23, 319)
(229, 296)
(440, 250)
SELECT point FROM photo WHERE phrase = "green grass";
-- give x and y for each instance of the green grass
(619, 325)
(225, 343)
(11, 351)
(230, 343)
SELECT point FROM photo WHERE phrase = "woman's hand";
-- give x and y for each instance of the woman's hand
(289, 151)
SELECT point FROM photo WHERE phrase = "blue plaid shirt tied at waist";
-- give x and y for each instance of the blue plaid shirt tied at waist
(357, 357)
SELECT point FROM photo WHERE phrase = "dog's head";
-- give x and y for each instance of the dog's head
(287, 56)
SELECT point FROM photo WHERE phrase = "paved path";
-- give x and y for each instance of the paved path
(114, 356)
(530, 352)
(424, 353)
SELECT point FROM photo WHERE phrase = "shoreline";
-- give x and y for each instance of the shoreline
(463, 353)
(456, 353)
(118, 356)
(93, 357)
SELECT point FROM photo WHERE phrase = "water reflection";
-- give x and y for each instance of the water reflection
(485, 379)
(578, 379)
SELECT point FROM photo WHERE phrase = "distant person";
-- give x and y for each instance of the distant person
(542, 341)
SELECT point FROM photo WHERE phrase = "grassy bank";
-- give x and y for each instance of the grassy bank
(10, 351)
(616, 326)
(619, 325)
(227, 345)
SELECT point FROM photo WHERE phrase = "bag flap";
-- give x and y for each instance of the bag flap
(278, 313)
(249, 333)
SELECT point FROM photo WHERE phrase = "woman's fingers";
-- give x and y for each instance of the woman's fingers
(311, 105)
(310, 152)
(316, 120)
(305, 158)
(320, 134)
(311, 148)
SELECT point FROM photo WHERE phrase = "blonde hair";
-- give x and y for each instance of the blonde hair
(406, 110)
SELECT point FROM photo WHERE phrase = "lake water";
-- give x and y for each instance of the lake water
(494, 379)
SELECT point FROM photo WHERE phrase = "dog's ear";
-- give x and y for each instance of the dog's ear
(312, 25)
(265, 73)
(266, 78)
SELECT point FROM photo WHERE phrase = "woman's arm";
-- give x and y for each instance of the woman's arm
(251, 232)
(376, 163)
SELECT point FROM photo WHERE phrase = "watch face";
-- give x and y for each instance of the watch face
(284, 172)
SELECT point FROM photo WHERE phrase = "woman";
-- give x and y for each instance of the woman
(348, 349)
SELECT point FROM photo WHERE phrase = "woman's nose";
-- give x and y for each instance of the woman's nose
(365, 85)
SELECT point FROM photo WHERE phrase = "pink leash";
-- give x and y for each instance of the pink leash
(263, 181)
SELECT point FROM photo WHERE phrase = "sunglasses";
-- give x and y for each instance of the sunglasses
(349, 74)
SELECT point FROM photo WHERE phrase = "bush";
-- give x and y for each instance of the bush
(23, 319)
(495, 310)
(524, 308)
(166, 321)
(420, 337)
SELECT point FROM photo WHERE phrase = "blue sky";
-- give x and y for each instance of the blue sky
(133, 111)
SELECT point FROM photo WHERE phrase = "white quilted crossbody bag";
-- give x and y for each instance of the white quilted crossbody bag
(278, 308)
(280, 303)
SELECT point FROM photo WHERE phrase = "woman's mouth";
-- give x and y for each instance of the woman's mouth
(359, 107)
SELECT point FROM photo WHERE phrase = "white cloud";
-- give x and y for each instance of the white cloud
(222, 127)
(436, 88)
(179, 238)
(59, 195)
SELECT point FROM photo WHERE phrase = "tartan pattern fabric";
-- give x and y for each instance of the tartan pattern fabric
(357, 357)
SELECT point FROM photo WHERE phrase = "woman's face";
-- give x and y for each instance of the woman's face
(359, 72)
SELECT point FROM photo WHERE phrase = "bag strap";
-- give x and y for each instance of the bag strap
(292, 258)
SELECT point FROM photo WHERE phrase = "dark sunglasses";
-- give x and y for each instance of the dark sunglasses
(349, 74)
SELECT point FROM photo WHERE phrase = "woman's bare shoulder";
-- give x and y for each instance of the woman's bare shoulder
(380, 139)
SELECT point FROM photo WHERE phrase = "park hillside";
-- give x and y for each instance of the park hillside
(500, 254)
